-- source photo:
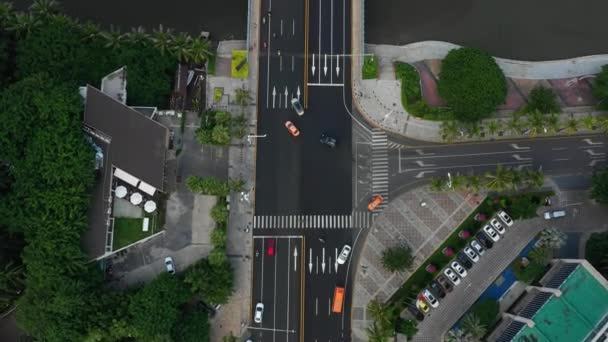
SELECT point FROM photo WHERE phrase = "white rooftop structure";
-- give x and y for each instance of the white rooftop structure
(126, 177)
(136, 198)
(147, 188)
(150, 206)
(115, 85)
(120, 191)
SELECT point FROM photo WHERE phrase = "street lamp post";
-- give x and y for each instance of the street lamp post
(449, 180)
(255, 136)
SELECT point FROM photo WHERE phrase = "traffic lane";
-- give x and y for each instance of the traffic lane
(326, 41)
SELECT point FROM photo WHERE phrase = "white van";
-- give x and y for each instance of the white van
(554, 214)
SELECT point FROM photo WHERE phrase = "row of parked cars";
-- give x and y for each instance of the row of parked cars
(451, 276)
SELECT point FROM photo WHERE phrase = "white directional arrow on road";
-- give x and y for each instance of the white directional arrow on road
(310, 260)
(420, 152)
(274, 93)
(595, 161)
(298, 92)
(338, 66)
(295, 259)
(286, 93)
(336, 263)
(593, 153)
(422, 164)
(518, 157)
(421, 174)
(325, 67)
(517, 147)
(313, 64)
(588, 141)
(323, 261)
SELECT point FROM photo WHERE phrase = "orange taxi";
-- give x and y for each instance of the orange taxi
(292, 128)
(374, 203)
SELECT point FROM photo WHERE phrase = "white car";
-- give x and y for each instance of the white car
(295, 104)
(170, 265)
(452, 276)
(344, 254)
(477, 247)
(505, 218)
(497, 226)
(259, 311)
(554, 214)
(430, 298)
(491, 233)
(471, 254)
(458, 269)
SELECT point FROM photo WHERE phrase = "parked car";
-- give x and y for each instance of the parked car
(484, 240)
(491, 233)
(471, 254)
(270, 248)
(344, 254)
(464, 260)
(259, 311)
(497, 226)
(477, 247)
(451, 276)
(554, 214)
(297, 106)
(169, 265)
(445, 284)
(458, 269)
(436, 288)
(428, 296)
(423, 306)
(292, 128)
(505, 218)
(374, 203)
(327, 140)
(415, 312)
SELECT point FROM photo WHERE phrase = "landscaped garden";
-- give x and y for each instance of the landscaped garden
(239, 67)
(129, 230)
(370, 67)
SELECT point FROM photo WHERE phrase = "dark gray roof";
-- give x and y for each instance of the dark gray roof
(138, 144)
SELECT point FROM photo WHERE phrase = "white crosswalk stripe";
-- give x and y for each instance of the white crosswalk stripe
(380, 166)
(394, 145)
(356, 220)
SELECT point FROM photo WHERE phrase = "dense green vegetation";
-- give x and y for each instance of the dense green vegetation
(397, 258)
(600, 88)
(217, 128)
(502, 179)
(471, 83)
(599, 186)
(46, 174)
(370, 67)
(487, 312)
(596, 252)
(543, 100)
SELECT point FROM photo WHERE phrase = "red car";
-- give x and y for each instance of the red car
(270, 247)
(292, 128)
(374, 203)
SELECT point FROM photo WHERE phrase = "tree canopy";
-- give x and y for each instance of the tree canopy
(599, 186)
(212, 283)
(397, 258)
(471, 83)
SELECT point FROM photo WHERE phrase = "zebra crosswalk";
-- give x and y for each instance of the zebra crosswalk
(380, 165)
(355, 220)
(393, 145)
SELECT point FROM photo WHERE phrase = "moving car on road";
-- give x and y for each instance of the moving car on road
(458, 269)
(497, 226)
(374, 203)
(338, 300)
(452, 276)
(169, 265)
(492, 234)
(505, 218)
(428, 296)
(344, 254)
(295, 104)
(554, 214)
(259, 311)
(327, 140)
(292, 128)
(270, 248)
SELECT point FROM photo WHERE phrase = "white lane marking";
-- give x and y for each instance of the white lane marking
(274, 309)
(310, 261)
(281, 27)
(295, 258)
(325, 66)
(317, 264)
(268, 64)
(326, 84)
(518, 157)
(336, 261)
(593, 153)
(517, 147)
(292, 63)
(420, 152)
(588, 141)
(295, 262)
(319, 39)
(313, 64)
(337, 67)
(464, 166)
(421, 174)
(422, 164)
(274, 94)
(268, 329)
(323, 261)
(316, 306)
(331, 44)
(559, 148)
(400, 161)
(595, 161)
(298, 92)
(429, 156)
(293, 27)
(561, 159)
(286, 93)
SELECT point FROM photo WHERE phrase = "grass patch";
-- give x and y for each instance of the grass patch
(211, 65)
(239, 67)
(411, 95)
(129, 230)
(487, 312)
(530, 273)
(420, 278)
(370, 67)
(218, 93)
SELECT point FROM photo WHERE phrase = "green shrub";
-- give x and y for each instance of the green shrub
(543, 100)
(217, 256)
(370, 67)
(487, 312)
(599, 186)
(397, 258)
(407, 327)
(208, 186)
(219, 213)
(471, 83)
(596, 252)
(600, 88)
(218, 237)
(530, 273)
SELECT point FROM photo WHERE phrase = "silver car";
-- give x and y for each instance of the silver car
(344, 254)
(452, 276)
(259, 311)
(458, 269)
(491, 233)
(169, 265)
(295, 104)
(497, 226)
(505, 218)
(471, 254)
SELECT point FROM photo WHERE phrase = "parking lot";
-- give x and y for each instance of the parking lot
(277, 284)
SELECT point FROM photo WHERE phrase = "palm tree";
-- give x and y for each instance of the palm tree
(494, 126)
(381, 313)
(540, 255)
(22, 24)
(449, 130)
(603, 124)
(552, 238)
(11, 278)
(180, 47)
(472, 326)
(90, 30)
(242, 97)
(377, 333)
(6, 13)
(458, 182)
(137, 35)
(536, 122)
(589, 122)
(533, 179)
(114, 39)
(162, 39)
(474, 183)
(572, 125)
(458, 335)
(552, 123)
(438, 184)
(499, 181)
(514, 125)
(44, 8)
(199, 51)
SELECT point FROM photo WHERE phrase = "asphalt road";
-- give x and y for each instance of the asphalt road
(519, 29)
(554, 155)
